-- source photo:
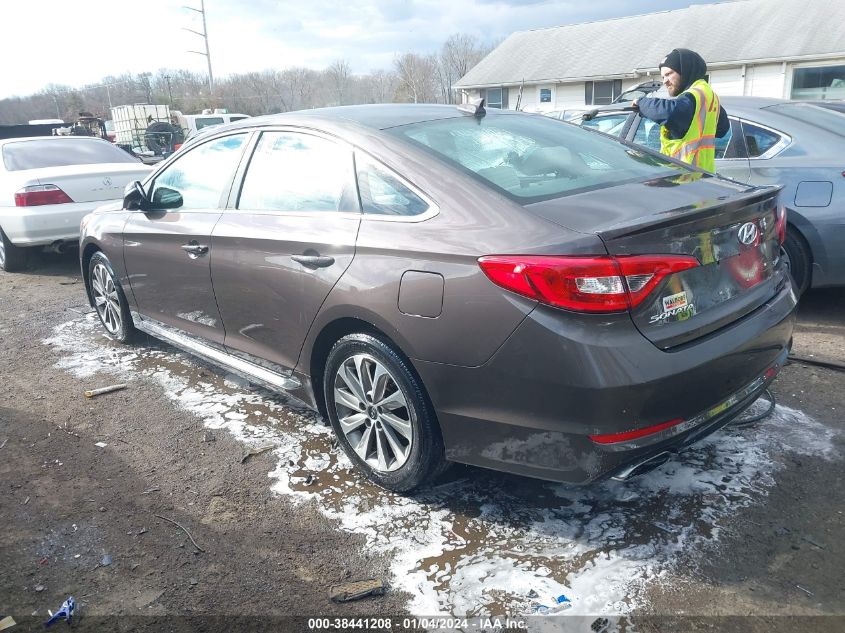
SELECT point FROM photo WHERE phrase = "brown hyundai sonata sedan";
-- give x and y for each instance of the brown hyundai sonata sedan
(491, 288)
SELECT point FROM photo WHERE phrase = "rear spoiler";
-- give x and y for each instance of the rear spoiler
(755, 195)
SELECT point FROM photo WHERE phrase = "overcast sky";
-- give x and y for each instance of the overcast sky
(75, 43)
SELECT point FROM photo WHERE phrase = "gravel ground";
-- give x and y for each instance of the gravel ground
(99, 523)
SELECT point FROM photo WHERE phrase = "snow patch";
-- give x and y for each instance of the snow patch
(488, 544)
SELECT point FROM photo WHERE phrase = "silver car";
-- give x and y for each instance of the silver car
(774, 141)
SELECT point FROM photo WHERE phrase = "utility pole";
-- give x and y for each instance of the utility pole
(169, 91)
(204, 36)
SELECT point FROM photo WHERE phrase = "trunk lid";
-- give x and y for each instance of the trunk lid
(731, 229)
(87, 183)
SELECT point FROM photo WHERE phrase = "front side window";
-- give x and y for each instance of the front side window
(201, 176)
(648, 134)
(383, 193)
(298, 172)
(823, 82)
(531, 158)
(758, 140)
(612, 124)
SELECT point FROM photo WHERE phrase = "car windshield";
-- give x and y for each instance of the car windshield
(48, 152)
(824, 118)
(531, 158)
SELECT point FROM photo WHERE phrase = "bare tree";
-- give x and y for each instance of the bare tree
(380, 86)
(301, 85)
(460, 52)
(340, 77)
(417, 77)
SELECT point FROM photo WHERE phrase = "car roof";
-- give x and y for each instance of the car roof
(375, 116)
(751, 103)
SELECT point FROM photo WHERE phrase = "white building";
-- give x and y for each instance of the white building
(793, 49)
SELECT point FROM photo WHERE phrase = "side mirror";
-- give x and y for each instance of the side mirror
(134, 197)
(166, 198)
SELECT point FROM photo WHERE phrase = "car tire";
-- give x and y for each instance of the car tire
(798, 259)
(161, 137)
(12, 258)
(109, 299)
(381, 414)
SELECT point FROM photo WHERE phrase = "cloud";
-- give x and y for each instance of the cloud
(72, 48)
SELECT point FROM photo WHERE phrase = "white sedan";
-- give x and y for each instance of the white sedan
(48, 184)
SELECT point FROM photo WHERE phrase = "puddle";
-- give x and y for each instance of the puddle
(481, 543)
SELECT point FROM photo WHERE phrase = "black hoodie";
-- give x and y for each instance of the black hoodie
(677, 114)
(688, 64)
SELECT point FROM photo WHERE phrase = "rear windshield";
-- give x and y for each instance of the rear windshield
(533, 158)
(824, 118)
(201, 123)
(57, 152)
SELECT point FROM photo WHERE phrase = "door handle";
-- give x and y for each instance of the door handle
(194, 249)
(313, 261)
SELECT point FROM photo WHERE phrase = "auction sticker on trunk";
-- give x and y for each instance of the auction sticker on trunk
(673, 302)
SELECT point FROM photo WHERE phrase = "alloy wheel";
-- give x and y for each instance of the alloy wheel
(373, 413)
(106, 298)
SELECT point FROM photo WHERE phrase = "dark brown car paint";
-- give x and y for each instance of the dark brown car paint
(516, 387)
(169, 285)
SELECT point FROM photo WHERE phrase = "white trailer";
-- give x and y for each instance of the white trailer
(131, 123)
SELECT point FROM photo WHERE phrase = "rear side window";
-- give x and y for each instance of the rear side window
(532, 158)
(382, 193)
(648, 134)
(758, 140)
(299, 172)
(58, 152)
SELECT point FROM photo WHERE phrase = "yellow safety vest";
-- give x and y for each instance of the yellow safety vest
(698, 145)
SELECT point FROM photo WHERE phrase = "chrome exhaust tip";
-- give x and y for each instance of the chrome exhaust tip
(643, 467)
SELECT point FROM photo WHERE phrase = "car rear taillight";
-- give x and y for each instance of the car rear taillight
(176, 146)
(780, 224)
(37, 195)
(584, 284)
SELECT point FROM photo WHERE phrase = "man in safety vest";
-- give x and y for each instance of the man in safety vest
(690, 122)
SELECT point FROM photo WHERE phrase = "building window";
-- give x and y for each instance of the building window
(601, 92)
(496, 98)
(545, 95)
(824, 82)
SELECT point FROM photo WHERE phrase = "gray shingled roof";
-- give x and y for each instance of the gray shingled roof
(746, 30)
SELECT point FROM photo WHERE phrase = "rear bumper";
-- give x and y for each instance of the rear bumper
(561, 378)
(36, 226)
